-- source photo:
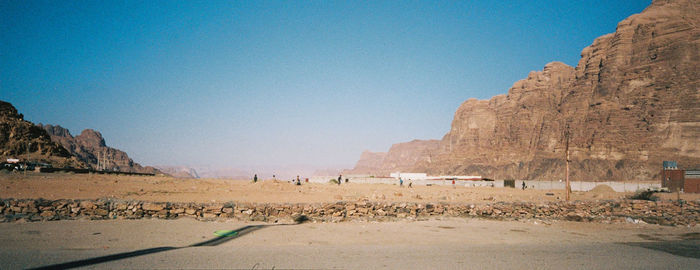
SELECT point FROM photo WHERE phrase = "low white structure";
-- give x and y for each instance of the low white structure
(398, 175)
(456, 177)
(424, 176)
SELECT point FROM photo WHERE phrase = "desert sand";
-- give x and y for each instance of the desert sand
(167, 189)
(435, 243)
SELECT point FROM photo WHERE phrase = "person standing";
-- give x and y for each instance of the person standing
(340, 179)
(255, 178)
(400, 182)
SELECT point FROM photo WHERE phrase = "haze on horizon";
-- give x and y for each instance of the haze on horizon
(252, 83)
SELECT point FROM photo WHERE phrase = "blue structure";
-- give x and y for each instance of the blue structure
(670, 165)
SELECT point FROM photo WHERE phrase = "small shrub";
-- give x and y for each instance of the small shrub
(647, 195)
(301, 219)
(333, 181)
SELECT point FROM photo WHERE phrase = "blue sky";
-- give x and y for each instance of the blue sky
(277, 83)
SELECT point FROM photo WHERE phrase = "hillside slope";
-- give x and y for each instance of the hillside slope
(23, 140)
(90, 148)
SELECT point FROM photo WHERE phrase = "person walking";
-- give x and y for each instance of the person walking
(400, 182)
(340, 179)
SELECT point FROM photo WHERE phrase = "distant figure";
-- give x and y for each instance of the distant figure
(410, 184)
(340, 179)
(273, 176)
(255, 178)
(306, 180)
(523, 185)
(453, 182)
(298, 181)
(400, 182)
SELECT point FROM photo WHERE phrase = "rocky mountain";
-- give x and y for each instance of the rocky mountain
(401, 157)
(90, 148)
(23, 140)
(632, 101)
(369, 163)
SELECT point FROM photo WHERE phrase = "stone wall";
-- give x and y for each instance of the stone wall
(659, 212)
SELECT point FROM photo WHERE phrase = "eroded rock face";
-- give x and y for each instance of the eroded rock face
(22, 139)
(401, 157)
(90, 146)
(369, 163)
(632, 101)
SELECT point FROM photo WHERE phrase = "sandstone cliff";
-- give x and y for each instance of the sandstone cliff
(23, 140)
(632, 101)
(90, 146)
(401, 157)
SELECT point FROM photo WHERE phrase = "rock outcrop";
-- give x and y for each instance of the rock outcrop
(23, 140)
(632, 101)
(90, 148)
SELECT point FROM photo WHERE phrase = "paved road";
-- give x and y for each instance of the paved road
(442, 244)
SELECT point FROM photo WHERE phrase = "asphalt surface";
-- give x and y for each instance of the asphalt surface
(431, 244)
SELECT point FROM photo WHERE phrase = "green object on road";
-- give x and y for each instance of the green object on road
(226, 233)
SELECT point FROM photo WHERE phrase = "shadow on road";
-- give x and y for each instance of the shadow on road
(236, 233)
(684, 248)
(212, 242)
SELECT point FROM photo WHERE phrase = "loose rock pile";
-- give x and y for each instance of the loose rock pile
(660, 212)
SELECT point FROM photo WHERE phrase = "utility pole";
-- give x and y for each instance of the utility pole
(568, 185)
(26, 162)
(105, 160)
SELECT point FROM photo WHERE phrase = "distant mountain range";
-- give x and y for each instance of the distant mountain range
(178, 171)
(283, 172)
(55, 145)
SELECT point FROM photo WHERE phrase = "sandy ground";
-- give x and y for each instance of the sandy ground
(440, 243)
(432, 244)
(81, 186)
